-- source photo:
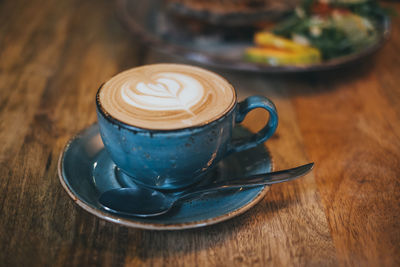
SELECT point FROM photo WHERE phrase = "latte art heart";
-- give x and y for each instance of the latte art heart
(166, 96)
(172, 91)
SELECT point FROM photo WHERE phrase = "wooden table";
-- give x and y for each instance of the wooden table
(53, 57)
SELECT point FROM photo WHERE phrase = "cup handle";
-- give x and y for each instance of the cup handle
(261, 136)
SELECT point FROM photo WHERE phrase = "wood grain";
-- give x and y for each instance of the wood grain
(55, 54)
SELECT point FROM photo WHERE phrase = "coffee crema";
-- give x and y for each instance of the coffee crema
(166, 96)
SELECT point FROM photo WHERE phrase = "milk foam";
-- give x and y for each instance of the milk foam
(172, 91)
(166, 96)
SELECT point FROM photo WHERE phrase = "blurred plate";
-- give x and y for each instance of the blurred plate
(153, 25)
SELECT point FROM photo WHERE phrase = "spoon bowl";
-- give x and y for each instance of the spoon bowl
(140, 201)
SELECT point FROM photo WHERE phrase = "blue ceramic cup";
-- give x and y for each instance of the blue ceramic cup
(174, 159)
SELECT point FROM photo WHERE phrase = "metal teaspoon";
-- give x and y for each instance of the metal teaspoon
(147, 202)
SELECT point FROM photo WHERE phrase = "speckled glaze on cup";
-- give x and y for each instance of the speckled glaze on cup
(174, 159)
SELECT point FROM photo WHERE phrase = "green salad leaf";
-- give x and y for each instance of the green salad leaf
(338, 28)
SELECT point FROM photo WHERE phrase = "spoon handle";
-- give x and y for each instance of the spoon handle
(252, 181)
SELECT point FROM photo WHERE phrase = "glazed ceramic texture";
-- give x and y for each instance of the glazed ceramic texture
(174, 159)
(86, 171)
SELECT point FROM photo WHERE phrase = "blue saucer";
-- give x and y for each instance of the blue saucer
(85, 171)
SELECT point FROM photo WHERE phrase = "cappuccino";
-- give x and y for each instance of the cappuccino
(166, 96)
